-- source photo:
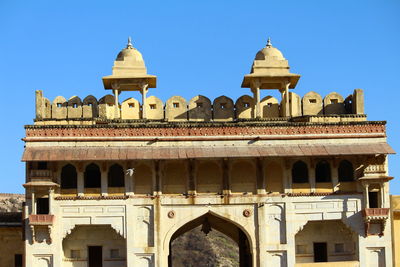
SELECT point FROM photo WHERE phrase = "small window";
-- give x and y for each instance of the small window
(334, 101)
(153, 106)
(114, 253)
(74, 105)
(90, 105)
(339, 248)
(345, 171)
(116, 176)
(199, 105)
(131, 105)
(59, 105)
(75, 254)
(301, 249)
(69, 177)
(223, 105)
(300, 172)
(42, 206)
(175, 105)
(269, 105)
(246, 104)
(92, 176)
(322, 172)
(42, 165)
(18, 260)
(373, 200)
(312, 101)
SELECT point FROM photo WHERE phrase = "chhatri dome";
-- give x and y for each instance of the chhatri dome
(269, 53)
(270, 70)
(129, 71)
(129, 62)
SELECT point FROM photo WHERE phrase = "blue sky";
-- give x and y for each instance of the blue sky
(194, 47)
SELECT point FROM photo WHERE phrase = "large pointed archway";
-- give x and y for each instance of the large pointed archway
(209, 222)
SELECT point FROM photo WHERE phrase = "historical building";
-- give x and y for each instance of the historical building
(294, 181)
(11, 229)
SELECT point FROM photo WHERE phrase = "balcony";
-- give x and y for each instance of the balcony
(40, 174)
(375, 213)
(375, 220)
(41, 219)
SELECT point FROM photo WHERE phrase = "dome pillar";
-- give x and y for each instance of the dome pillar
(270, 70)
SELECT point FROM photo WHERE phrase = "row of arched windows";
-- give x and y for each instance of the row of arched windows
(322, 172)
(92, 176)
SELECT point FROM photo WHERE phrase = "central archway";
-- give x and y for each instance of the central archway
(209, 222)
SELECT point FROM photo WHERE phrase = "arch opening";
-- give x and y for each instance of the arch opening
(217, 231)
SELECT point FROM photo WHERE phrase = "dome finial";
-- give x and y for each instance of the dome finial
(269, 42)
(129, 45)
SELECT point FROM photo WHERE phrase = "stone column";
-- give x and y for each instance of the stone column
(158, 176)
(382, 191)
(143, 91)
(33, 208)
(104, 180)
(226, 189)
(116, 86)
(260, 176)
(81, 183)
(287, 102)
(191, 168)
(256, 95)
(334, 176)
(366, 196)
(311, 174)
(51, 197)
(287, 176)
(129, 179)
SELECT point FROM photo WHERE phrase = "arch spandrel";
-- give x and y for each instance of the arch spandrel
(246, 224)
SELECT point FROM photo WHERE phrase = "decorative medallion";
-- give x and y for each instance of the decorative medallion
(247, 213)
(171, 214)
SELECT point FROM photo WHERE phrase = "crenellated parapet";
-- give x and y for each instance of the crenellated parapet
(199, 108)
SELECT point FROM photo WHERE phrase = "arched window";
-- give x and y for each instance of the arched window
(345, 171)
(323, 172)
(116, 176)
(68, 177)
(300, 172)
(92, 176)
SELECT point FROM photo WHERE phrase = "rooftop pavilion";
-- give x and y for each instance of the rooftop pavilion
(270, 70)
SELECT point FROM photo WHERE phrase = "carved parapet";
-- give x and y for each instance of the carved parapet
(41, 219)
(198, 108)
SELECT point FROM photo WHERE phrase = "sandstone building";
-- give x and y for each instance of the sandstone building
(295, 181)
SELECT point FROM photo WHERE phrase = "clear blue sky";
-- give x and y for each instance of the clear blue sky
(202, 47)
